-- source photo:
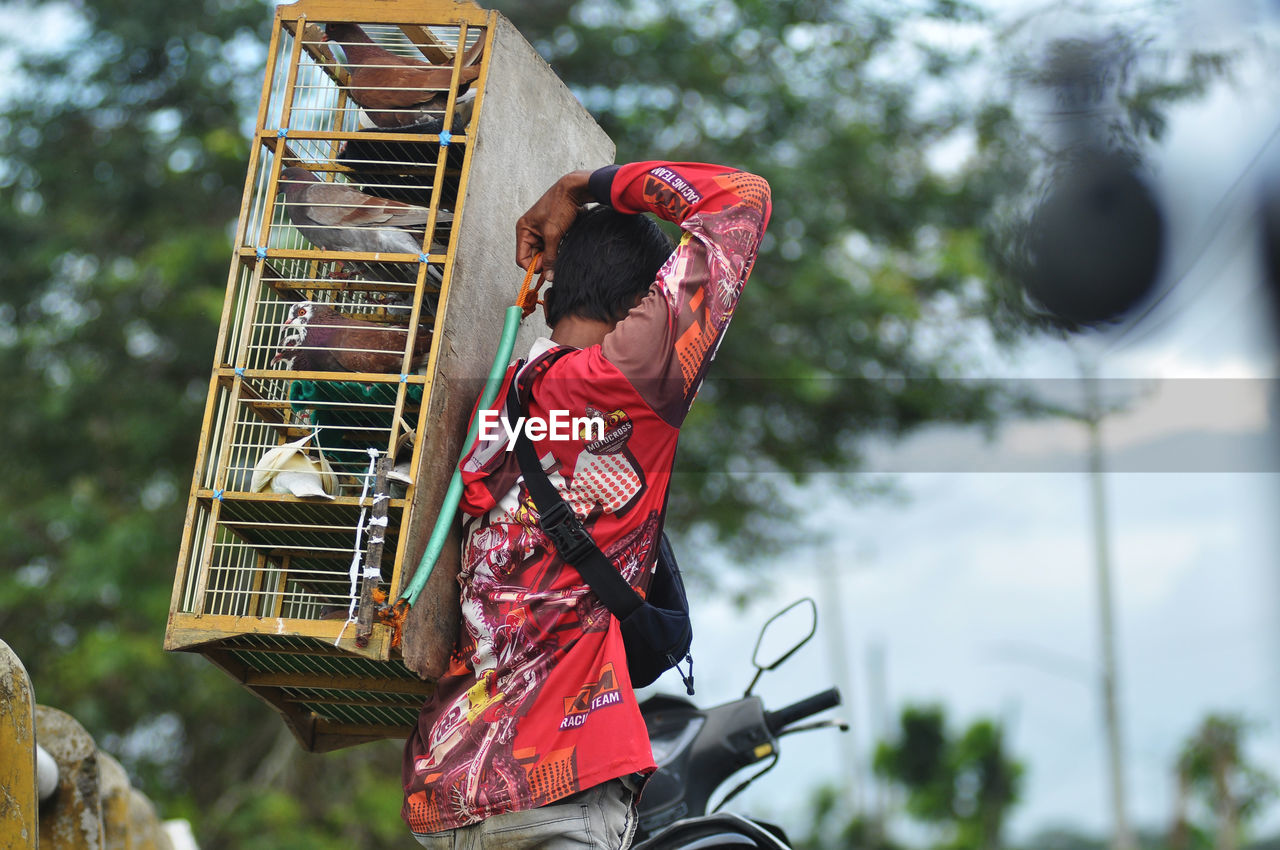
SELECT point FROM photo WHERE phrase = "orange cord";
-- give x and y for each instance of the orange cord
(391, 615)
(527, 300)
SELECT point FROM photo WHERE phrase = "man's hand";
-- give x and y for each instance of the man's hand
(542, 226)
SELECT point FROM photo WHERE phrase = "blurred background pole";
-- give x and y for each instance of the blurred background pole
(878, 700)
(837, 645)
(1122, 837)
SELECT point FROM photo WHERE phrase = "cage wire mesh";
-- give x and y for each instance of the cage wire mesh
(282, 660)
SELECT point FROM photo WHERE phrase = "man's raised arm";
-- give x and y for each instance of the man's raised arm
(665, 344)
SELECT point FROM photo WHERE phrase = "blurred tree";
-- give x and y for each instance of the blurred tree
(1271, 842)
(831, 828)
(122, 155)
(1064, 838)
(1217, 785)
(1072, 838)
(964, 785)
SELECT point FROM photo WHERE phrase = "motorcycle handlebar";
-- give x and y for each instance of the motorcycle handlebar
(778, 720)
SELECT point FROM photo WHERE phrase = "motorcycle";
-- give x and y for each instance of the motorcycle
(698, 749)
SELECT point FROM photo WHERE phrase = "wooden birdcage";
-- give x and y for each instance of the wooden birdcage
(267, 582)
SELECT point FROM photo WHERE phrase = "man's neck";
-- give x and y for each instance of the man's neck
(580, 332)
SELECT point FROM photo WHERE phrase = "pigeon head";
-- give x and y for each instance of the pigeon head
(285, 357)
(354, 43)
(292, 335)
(295, 323)
(346, 32)
(300, 312)
(293, 180)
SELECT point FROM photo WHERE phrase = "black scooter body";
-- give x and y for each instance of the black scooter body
(697, 749)
(719, 830)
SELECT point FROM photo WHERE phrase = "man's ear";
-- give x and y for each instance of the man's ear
(546, 309)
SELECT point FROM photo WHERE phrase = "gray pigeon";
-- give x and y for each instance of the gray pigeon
(335, 217)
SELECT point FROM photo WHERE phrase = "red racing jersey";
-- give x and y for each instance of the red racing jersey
(537, 703)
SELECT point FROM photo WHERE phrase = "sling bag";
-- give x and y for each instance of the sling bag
(656, 631)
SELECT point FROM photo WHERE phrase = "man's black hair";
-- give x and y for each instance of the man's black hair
(606, 261)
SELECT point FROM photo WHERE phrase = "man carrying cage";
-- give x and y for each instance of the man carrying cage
(533, 736)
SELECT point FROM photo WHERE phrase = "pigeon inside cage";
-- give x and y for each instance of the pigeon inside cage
(394, 82)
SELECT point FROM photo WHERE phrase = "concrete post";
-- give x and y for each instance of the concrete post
(114, 791)
(1122, 837)
(145, 830)
(18, 807)
(72, 819)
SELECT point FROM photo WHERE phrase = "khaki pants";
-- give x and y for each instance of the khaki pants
(600, 818)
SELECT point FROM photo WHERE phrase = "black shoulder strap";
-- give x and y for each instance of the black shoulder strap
(566, 531)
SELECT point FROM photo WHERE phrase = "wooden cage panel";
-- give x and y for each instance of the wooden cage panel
(343, 421)
(258, 202)
(313, 122)
(323, 341)
(374, 285)
(265, 292)
(289, 564)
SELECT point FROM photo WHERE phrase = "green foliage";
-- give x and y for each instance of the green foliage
(314, 802)
(1220, 791)
(832, 829)
(1069, 838)
(1064, 839)
(122, 163)
(963, 784)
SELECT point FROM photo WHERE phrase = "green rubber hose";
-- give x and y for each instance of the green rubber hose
(453, 495)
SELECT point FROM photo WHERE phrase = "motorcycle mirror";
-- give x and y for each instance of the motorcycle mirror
(777, 641)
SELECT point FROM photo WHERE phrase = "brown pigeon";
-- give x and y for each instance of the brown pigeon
(317, 338)
(396, 91)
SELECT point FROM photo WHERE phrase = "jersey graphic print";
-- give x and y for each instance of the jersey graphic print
(606, 474)
(537, 703)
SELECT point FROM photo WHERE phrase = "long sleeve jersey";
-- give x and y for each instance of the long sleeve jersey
(537, 703)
